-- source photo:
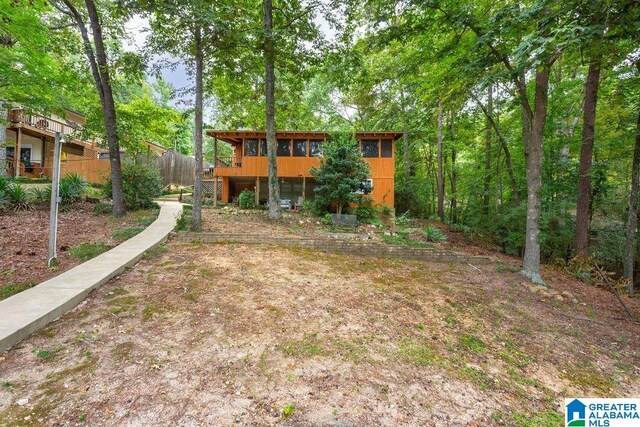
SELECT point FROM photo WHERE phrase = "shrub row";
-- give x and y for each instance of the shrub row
(14, 196)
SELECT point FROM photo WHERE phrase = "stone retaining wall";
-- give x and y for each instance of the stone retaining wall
(356, 247)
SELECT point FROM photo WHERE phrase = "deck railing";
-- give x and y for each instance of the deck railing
(41, 122)
(229, 162)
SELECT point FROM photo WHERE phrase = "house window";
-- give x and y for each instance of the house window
(25, 153)
(250, 147)
(370, 148)
(386, 148)
(284, 147)
(300, 148)
(366, 187)
(263, 147)
(315, 147)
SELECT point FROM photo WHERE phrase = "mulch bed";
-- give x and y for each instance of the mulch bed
(24, 241)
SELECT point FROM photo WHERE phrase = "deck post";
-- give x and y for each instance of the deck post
(304, 188)
(16, 154)
(215, 153)
(257, 190)
(215, 188)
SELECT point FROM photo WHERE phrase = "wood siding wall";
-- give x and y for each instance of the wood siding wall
(382, 171)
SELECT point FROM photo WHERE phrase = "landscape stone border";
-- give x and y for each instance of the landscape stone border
(334, 245)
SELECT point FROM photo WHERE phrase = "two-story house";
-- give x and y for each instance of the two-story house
(297, 153)
(30, 140)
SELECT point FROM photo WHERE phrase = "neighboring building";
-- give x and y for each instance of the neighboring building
(30, 141)
(298, 152)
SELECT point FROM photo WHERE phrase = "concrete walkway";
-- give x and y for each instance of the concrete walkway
(30, 310)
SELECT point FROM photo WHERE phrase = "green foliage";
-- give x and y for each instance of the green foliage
(17, 198)
(288, 410)
(72, 188)
(86, 250)
(102, 208)
(13, 288)
(366, 211)
(403, 220)
(40, 195)
(434, 234)
(141, 184)
(183, 223)
(340, 175)
(123, 234)
(247, 199)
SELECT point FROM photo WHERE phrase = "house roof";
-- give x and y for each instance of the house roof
(236, 136)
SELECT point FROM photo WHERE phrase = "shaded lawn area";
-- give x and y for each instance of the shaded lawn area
(257, 335)
(82, 234)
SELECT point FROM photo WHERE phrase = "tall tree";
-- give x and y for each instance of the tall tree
(270, 81)
(632, 216)
(96, 55)
(440, 164)
(202, 33)
(487, 154)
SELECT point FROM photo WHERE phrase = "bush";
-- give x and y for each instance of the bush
(247, 200)
(18, 198)
(434, 234)
(141, 184)
(366, 211)
(71, 189)
(41, 195)
(4, 186)
(402, 220)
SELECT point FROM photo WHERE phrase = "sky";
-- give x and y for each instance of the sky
(138, 28)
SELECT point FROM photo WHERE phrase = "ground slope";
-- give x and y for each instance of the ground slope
(260, 335)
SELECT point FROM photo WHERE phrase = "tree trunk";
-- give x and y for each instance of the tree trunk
(440, 170)
(531, 262)
(586, 158)
(632, 218)
(196, 220)
(507, 153)
(270, 81)
(108, 107)
(454, 173)
(3, 140)
(487, 155)
(405, 153)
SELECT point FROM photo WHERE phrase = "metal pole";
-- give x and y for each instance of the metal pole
(55, 200)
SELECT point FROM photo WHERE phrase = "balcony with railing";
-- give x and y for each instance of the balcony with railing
(36, 122)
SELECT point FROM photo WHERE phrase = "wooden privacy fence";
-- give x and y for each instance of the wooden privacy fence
(176, 168)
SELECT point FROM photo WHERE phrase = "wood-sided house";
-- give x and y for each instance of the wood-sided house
(30, 139)
(297, 153)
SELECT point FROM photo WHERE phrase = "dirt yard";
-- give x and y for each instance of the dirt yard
(258, 335)
(24, 240)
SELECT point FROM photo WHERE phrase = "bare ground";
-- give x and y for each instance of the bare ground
(261, 335)
(24, 240)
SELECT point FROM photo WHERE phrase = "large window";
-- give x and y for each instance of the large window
(263, 147)
(386, 148)
(300, 147)
(251, 147)
(284, 147)
(370, 148)
(315, 147)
